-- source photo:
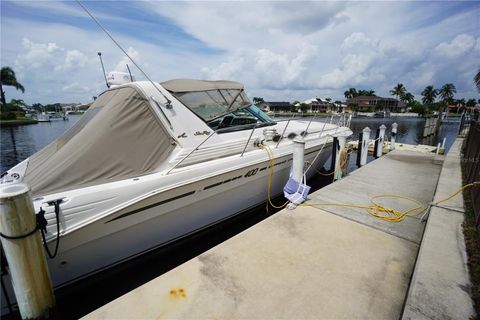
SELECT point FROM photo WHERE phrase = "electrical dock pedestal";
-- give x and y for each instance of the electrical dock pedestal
(318, 261)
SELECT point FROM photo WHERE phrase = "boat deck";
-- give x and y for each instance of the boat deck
(311, 262)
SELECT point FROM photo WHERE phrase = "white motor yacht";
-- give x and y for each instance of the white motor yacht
(149, 163)
(43, 117)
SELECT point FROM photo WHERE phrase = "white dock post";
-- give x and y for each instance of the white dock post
(433, 126)
(438, 148)
(298, 158)
(426, 128)
(443, 142)
(25, 256)
(342, 140)
(297, 163)
(379, 142)
(393, 136)
(365, 140)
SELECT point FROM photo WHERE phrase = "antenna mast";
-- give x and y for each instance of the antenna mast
(131, 78)
(103, 68)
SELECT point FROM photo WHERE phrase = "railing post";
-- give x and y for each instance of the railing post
(335, 152)
(298, 158)
(393, 136)
(281, 137)
(364, 149)
(359, 149)
(379, 141)
(24, 252)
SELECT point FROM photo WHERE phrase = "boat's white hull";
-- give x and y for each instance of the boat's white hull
(143, 230)
(154, 222)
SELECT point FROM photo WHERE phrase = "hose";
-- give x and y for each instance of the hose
(375, 209)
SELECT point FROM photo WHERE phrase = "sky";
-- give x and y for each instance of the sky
(280, 50)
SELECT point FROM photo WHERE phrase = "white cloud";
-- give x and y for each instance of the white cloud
(281, 50)
(75, 58)
(37, 55)
(122, 64)
(75, 87)
(457, 47)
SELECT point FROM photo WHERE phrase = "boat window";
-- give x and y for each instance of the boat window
(212, 104)
(241, 120)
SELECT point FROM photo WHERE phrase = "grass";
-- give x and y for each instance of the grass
(472, 244)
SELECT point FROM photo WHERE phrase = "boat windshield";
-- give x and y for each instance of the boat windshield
(223, 108)
(243, 118)
(211, 104)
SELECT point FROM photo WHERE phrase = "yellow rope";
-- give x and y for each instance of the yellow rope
(378, 210)
(271, 164)
(375, 209)
(457, 192)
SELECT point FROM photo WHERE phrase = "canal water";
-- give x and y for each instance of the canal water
(73, 302)
(19, 142)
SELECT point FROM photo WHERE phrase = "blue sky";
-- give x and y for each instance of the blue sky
(279, 50)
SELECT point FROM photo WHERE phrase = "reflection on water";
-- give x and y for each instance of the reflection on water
(18, 143)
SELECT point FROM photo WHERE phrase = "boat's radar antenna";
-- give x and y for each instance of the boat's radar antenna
(103, 68)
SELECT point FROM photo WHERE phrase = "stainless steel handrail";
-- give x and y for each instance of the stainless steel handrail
(281, 137)
(249, 137)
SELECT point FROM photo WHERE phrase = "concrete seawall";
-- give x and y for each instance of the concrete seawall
(440, 287)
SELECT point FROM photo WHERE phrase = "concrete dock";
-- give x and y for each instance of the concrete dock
(322, 262)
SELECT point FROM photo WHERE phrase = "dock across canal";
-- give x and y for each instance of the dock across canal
(312, 262)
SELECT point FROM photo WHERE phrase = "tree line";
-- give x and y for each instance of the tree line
(15, 108)
(432, 99)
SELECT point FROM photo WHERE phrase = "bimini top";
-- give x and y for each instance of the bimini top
(192, 85)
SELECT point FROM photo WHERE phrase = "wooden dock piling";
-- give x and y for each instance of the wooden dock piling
(24, 252)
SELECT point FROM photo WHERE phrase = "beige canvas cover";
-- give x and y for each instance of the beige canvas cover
(188, 85)
(117, 138)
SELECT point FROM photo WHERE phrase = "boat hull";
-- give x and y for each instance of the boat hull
(155, 222)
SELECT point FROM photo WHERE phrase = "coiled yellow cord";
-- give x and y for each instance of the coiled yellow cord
(375, 209)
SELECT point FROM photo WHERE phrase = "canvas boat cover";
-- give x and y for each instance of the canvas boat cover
(192, 85)
(119, 137)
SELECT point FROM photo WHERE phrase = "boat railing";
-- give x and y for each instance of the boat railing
(342, 121)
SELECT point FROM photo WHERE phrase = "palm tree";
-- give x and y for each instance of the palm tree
(350, 93)
(408, 98)
(7, 78)
(447, 92)
(429, 94)
(399, 90)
